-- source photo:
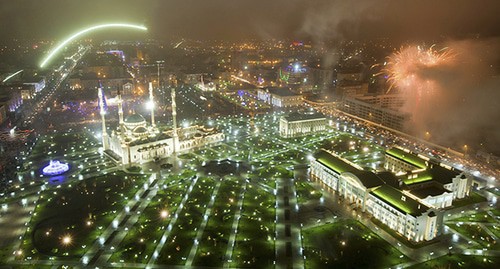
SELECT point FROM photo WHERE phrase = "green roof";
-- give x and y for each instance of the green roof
(421, 177)
(334, 163)
(394, 196)
(435, 172)
(407, 157)
(369, 179)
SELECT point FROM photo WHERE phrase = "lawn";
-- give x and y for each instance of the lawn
(213, 243)
(476, 233)
(306, 192)
(458, 261)
(348, 244)
(477, 217)
(181, 239)
(140, 242)
(80, 212)
(254, 247)
(474, 198)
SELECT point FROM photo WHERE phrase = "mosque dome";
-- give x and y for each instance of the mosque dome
(133, 121)
(135, 118)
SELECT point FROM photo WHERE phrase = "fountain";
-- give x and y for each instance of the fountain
(55, 168)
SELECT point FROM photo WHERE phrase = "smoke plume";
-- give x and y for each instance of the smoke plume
(464, 108)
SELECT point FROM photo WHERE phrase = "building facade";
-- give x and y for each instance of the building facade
(374, 193)
(280, 97)
(297, 124)
(381, 109)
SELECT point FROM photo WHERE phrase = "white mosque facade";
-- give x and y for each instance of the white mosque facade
(135, 141)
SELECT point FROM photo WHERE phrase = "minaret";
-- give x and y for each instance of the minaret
(105, 138)
(152, 104)
(174, 122)
(120, 111)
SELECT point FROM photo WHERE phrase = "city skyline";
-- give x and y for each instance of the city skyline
(296, 19)
(249, 134)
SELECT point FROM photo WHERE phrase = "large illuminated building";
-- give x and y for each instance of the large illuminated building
(410, 202)
(280, 97)
(434, 182)
(135, 141)
(383, 109)
(302, 123)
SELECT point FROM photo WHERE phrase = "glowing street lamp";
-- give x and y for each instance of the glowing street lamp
(66, 240)
(150, 105)
(164, 214)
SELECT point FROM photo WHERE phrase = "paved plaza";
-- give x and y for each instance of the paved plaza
(246, 202)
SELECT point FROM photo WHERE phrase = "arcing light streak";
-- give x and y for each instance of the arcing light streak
(9, 77)
(178, 44)
(241, 79)
(97, 27)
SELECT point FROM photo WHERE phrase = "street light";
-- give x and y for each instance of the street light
(66, 240)
(164, 214)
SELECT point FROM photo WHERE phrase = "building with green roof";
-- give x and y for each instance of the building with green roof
(405, 214)
(380, 194)
(400, 160)
(416, 173)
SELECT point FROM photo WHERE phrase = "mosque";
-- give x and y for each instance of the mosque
(135, 141)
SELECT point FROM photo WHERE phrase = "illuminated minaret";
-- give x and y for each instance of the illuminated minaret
(174, 122)
(105, 139)
(152, 104)
(120, 111)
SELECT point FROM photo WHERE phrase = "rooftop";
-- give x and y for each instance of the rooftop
(399, 200)
(431, 190)
(435, 172)
(407, 157)
(369, 179)
(282, 91)
(390, 179)
(149, 139)
(335, 163)
(418, 178)
(296, 116)
(442, 175)
(134, 118)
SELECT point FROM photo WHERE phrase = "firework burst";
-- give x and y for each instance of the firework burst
(412, 71)
(406, 67)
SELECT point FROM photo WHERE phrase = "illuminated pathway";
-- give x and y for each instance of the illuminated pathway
(171, 224)
(190, 258)
(94, 252)
(236, 221)
(109, 248)
(288, 237)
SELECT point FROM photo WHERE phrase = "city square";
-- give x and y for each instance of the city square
(249, 135)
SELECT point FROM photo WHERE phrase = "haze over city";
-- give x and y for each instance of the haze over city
(249, 134)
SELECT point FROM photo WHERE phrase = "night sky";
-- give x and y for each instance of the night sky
(244, 19)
